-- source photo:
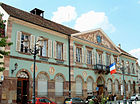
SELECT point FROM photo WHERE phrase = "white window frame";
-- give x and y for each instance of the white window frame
(89, 56)
(44, 48)
(59, 50)
(78, 54)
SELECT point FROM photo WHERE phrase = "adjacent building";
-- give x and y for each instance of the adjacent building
(66, 57)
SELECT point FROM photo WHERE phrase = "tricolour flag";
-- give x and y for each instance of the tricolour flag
(112, 68)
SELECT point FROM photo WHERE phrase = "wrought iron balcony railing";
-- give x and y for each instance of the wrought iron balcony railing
(102, 68)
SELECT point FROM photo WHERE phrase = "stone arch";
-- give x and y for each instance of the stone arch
(110, 85)
(90, 85)
(60, 84)
(26, 71)
(42, 83)
(100, 80)
(45, 73)
(60, 74)
(117, 86)
(79, 85)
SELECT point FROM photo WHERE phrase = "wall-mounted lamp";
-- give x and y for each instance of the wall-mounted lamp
(16, 65)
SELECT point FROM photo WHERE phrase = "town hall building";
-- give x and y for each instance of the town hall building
(68, 63)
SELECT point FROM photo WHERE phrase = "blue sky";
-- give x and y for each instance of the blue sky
(120, 19)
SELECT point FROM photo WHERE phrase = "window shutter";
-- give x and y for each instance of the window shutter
(64, 52)
(112, 59)
(32, 42)
(74, 54)
(86, 56)
(94, 60)
(18, 41)
(93, 56)
(97, 58)
(83, 56)
(103, 58)
(38, 38)
(49, 48)
(54, 49)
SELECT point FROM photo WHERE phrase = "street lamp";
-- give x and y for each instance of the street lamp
(34, 51)
(122, 68)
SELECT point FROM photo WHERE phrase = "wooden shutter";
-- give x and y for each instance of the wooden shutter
(18, 41)
(49, 48)
(83, 56)
(54, 49)
(38, 38)
(32, 42)
(64, 52)
(112, 59)
(93, 57)
(74, 53)
(97, 57)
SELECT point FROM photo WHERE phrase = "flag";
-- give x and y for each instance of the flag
(112, 68)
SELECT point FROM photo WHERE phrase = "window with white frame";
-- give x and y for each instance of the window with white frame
(44, 48)
(109, 87)
(59, 50)
(108, 59)
(78, 54)
(89, 85)
(79, 88)
(89, 57)
(116, 87)
(42, 85)
(59, 83)
(133, 69)
(100, 59)
(20, 42)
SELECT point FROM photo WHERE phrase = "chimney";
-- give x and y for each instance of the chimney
(38, 12)
(119, 45)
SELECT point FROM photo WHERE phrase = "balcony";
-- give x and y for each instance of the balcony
(101, 69)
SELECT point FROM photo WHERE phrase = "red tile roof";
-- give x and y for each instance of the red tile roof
(37, 20)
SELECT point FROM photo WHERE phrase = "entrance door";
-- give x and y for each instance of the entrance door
(100, 90)
(22, 90)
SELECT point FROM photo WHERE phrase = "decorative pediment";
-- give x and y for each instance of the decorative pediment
(97, 37)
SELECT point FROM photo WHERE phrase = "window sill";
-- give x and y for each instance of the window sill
(59, 60)
(43, 57)
(79, 63)
(89, 65)
(25, 53)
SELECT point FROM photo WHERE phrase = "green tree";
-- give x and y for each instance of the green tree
(3, 41)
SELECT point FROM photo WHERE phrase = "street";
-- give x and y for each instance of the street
(121, 102)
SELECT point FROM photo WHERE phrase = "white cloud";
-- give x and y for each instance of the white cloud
(136, 53)
(92, 20)
(64, 14)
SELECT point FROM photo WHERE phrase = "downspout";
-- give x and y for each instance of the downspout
(69, 67)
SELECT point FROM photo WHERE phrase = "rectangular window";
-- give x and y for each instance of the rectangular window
(108, 60)
(133, 69)
(24, 48)
(89, 57)
(100, 58)
(59, 50)
(78, 54)
(44, 49)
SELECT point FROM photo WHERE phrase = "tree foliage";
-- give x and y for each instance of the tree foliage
(3, 42)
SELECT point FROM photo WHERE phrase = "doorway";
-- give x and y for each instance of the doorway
(100, 85)
(22, 90)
